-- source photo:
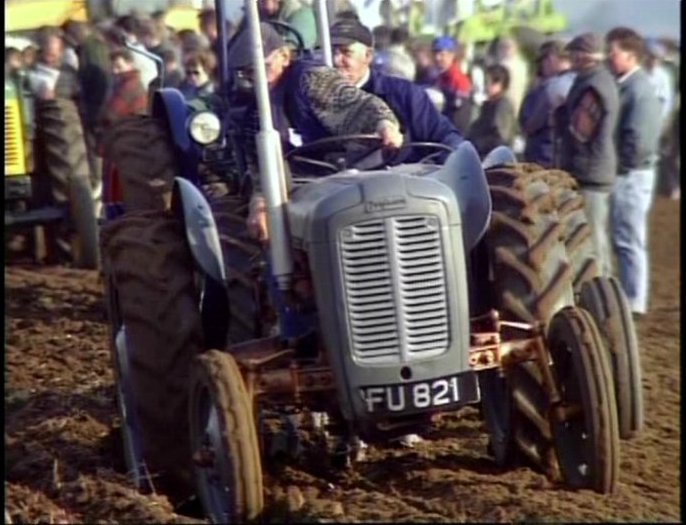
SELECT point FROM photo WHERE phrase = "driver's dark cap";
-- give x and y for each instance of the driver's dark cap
(347, 31)
(240, 48)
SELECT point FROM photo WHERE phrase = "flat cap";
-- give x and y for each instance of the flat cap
(349, 30)
(240, 47)
(589, 43)
(551, 47)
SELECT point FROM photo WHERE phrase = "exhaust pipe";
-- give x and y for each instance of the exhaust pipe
(322, 15)
(272, 173)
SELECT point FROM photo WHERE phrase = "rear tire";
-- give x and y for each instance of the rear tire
(140, 149)
(532, 280)
(605, 301)
(224, 444)
(242, 259)
(587, 440)
(150, 265)
(64, 180)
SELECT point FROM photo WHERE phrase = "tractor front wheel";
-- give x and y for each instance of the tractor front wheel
(605, 301)
(224, 444)
(584, 422)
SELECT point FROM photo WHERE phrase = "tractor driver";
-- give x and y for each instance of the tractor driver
(309, 101)
(353, 52)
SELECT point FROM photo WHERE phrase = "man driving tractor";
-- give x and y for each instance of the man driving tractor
(310, 101)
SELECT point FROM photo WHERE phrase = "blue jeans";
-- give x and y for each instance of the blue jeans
(630, 203)
(597, 207)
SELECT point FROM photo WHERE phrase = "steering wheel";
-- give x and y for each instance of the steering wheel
(318, 153)
(440, 147)
(331, 153)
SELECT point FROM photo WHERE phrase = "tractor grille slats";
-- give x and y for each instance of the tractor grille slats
(11, 145)
(394, 277)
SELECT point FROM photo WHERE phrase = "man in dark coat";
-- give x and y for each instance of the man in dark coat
(587, 125)
(496, 124)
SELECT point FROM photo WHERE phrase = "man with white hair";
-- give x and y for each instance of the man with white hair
(420, 121)
(589, 121)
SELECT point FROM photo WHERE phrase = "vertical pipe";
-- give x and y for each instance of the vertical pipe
(220, 12)
(322, 15)
(272, 174)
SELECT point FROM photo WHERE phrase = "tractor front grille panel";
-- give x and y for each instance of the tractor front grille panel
(395, 288)
(11, 135)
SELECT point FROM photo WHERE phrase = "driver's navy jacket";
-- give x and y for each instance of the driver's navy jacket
(317, 102)
(314, 102)
(419, 119)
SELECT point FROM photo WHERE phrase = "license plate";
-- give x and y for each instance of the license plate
(441, 393)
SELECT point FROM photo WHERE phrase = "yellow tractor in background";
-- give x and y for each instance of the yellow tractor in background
(50, 208)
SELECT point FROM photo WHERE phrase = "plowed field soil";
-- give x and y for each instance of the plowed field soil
(63, 452)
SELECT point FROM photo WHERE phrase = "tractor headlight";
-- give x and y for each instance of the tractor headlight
(204, 127)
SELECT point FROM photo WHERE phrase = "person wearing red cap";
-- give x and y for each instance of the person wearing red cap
(453, 83)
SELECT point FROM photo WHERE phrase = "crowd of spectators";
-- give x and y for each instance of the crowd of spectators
(602, 109)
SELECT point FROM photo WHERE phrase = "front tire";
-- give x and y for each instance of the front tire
(605, 301)
(224, 444)
(587, 435)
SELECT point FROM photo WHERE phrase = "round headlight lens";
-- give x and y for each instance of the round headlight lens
(205, 127)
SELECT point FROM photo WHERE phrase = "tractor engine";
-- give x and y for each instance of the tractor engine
(386, 255)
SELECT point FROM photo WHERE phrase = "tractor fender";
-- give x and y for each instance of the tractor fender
(463, 173)
(169, 105)
(201, 229)
(499, 156)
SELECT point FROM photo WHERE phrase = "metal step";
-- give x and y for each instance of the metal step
(35, 216)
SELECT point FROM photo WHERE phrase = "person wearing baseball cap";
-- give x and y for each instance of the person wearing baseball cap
(587, 128)
(420, 121)
(452, 82)
(309, 101)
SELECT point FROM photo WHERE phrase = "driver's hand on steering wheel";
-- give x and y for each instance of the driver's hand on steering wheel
(257, 219)
(390, 134)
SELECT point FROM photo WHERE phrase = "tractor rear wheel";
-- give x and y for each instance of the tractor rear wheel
(576, 231)
(64, 173)
(140, 150)
(151, 271)
(605, 301)
(585, 427)
(242, 260)
(224, 444)
(531, 281)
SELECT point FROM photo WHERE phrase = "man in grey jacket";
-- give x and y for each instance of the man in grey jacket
(638, 134)
(587, 123)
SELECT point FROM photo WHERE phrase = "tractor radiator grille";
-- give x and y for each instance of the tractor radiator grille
(13, 160)
(394, 278)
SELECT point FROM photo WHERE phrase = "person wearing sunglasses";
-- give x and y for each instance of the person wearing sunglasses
(197, 69)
